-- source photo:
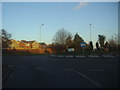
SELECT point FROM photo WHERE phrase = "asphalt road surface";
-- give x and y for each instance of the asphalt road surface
(52, 72)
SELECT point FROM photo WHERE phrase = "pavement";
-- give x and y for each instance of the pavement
(62, 72)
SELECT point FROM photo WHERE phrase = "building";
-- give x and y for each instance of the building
(26, 44)
(14, 44)
(35, 45)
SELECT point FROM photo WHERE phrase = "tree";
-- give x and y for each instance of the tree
(91, 45)
(58, 48)
(113, 43)
(101, 39)
(113, 39)
(60, 36)
(77, 38)
(60, 39)
(77, 41)
(5, 39)
(106, 45)
(69, 41)
(97, 46)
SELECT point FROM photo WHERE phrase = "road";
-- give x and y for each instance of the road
(52, 72)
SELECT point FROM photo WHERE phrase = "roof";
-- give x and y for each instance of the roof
(14, 40)
(43, 44)
(24, 41)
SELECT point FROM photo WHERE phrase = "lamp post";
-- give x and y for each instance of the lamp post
(40, 31)
(90, 32)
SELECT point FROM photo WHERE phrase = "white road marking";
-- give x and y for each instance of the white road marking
(37, 68)
(23, 67)
(68, 56)
(95, 70)
(60, 56)
(10, 65)
(52, 55)
(107, 56)
(83, 75)
(80, 56)
(93, 56)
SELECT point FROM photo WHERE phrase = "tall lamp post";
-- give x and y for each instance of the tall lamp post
(91, 44)
(40, 31)
(90, 32)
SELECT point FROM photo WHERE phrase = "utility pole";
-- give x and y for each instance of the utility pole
(40, 31)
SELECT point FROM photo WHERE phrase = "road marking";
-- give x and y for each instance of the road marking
(23, 67)
(93, 56)
(83, 75)
(37, 68)
(10, 65)
(68, 56)
(53, 55)
(95, 70)
(107, 56)
(80, 56)
(61, 56)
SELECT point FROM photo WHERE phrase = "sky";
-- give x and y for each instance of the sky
(24, 19)
(60, 0)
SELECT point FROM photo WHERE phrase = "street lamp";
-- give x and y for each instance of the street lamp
(90, 32)
(40, 31)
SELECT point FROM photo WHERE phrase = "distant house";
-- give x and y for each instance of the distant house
(14, 44)
(35, 45)
(43, 45)
(26, 44)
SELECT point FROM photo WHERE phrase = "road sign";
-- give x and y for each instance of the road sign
(83, 44)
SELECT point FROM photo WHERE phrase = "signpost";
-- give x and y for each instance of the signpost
(83, 44)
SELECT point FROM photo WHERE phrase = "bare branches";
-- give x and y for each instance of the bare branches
(61, 36)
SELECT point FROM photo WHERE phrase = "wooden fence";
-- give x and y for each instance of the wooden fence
(32, 51)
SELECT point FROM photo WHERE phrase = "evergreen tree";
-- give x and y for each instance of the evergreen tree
(101, 39)
(77, 41)
(91, 45)
(5, 39)
(97, 45)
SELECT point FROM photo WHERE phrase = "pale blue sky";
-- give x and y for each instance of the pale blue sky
(23, 19)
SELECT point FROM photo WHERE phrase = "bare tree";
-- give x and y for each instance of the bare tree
(61, 36)
(113, 42)
(114, 39)
(68, 40)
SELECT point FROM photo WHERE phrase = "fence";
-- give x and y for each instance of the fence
(27, 51)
